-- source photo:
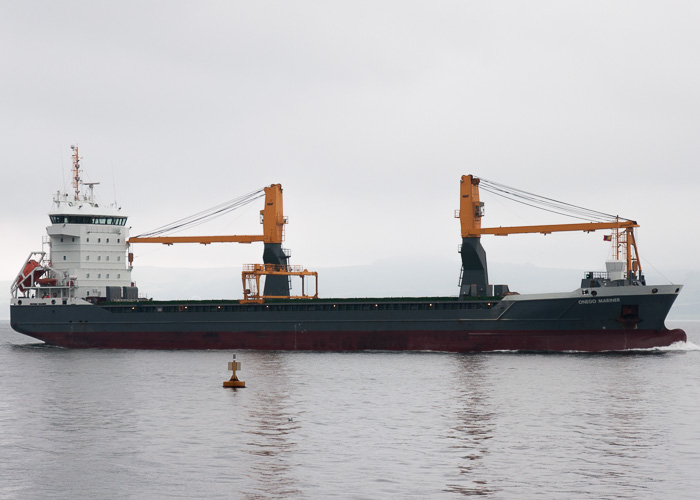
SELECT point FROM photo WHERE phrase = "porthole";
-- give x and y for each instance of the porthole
(654, 290)
(53, 302)
(594, 293)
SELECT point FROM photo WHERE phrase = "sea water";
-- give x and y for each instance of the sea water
(158, 424)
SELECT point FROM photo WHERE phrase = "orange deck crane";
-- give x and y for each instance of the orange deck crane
(271, 217)
(471, 212)
(275, 268)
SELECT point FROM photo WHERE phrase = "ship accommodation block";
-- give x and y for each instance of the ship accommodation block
(92, 253)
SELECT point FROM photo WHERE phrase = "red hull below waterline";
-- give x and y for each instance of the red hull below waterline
(443, 341)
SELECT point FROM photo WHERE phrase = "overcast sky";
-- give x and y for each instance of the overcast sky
(367, 113)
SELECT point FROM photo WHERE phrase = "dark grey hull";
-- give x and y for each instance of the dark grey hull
(614, 319)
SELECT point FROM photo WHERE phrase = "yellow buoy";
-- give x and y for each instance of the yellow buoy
(234, 382)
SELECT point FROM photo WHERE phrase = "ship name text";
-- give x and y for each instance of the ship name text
(599, 301)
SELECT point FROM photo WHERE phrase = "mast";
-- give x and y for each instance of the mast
(76, 172)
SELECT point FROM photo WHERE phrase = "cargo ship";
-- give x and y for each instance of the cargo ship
(79, 293)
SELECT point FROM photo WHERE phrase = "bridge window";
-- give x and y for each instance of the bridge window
(87, 219)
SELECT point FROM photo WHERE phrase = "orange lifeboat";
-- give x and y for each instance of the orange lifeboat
(30, 271)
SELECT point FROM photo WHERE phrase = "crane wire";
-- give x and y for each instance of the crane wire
(205, 215)
(546, 209)
(540, 202)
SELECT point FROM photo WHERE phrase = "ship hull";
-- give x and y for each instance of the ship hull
(615, 320)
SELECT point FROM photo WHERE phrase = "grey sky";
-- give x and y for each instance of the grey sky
(367, 113)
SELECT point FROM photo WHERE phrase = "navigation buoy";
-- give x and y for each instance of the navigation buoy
(234, 382)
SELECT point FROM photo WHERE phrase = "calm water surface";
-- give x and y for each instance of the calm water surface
(141, 424)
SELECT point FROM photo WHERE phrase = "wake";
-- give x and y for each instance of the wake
(675, 347)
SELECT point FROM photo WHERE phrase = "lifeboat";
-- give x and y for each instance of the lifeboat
(32, 272)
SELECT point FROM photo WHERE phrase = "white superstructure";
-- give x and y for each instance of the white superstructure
(87, 254)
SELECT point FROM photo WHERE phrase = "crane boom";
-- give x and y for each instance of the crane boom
(472, 210)
(272, 218)
(587, 227)
(204, 240)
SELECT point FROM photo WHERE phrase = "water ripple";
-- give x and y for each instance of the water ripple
(136, 424)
